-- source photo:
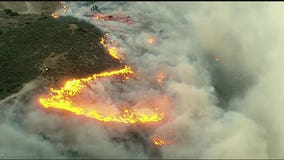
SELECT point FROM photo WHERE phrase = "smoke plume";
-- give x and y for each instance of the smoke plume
(224, 75)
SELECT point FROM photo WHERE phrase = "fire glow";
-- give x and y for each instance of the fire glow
(160, 78)
(164, 140)
(152, 40)
(56, 14)
(113, 17)
(160, 141)
(63, 99)
(113, 51)
(69, 97)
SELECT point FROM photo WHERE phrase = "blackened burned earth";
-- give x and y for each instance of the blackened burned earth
(38, 46)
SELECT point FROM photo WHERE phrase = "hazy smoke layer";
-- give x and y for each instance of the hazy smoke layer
(224, 78)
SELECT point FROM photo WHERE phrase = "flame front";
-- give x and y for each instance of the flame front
(113, 51)
(63, 98)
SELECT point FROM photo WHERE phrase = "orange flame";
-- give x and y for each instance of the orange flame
(112, 17)
(160, 141)
(113, 51)
(64, 7)
(63, 99)
(56, 14)
(152, 40)
(160, 78)
(99, 16)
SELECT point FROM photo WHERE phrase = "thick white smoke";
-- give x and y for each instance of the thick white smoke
(245, 37)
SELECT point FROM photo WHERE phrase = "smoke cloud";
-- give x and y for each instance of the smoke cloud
(224, 78)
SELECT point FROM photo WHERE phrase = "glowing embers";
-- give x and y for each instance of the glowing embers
(111, 46)
(114, 17)
(64, 7)
(57, 13)
(53, 15)
(160, 78)
(163, 140)
(159, 141)
(152, 40)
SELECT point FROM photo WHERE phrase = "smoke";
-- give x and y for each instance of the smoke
(263, 101)
(224, 78)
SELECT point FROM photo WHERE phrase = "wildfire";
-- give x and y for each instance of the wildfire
(113, 51)
(63, 98)
(67, 97)
(160, 141)
(99, 17)
(160, 79)
(56, 14)
(64, 7)
(152, 40)
(114, 17)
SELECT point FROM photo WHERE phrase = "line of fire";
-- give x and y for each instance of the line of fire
(66, 97)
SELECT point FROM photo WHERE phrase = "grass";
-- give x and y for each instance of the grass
(22, 50)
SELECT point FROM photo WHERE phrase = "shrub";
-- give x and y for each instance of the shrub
(10, 12)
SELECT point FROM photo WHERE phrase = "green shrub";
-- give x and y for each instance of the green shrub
(10, 12)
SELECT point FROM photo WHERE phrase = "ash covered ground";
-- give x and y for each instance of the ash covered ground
(219, 65)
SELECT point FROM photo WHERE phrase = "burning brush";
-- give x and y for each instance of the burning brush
(60, 12)
(66, 99)
(114, 17)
